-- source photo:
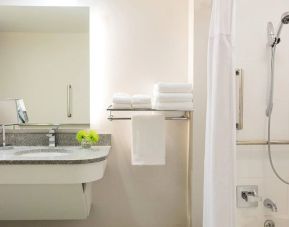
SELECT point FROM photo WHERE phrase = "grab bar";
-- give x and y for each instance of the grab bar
(239, 74)
(262, 142)
(69, 100)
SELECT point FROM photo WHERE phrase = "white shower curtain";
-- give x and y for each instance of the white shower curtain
(219, 172)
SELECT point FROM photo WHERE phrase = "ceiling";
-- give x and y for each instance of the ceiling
(44, 19)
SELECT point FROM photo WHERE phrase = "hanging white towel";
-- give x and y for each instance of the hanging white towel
(173, 87)
(148, 140)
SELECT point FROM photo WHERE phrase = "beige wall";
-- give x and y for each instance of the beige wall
(38, 67)
(146, 42)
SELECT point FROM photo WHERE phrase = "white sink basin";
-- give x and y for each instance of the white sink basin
(52, 165)
(46, 152)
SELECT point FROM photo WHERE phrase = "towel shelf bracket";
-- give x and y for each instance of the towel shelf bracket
(186, 115)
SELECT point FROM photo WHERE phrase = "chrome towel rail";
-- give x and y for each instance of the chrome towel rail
(186, 115)
(129, 118)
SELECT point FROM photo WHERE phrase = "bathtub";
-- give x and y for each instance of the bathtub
(281, 222)
(259, 222)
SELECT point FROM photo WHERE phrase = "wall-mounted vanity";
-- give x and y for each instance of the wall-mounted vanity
(44, 59)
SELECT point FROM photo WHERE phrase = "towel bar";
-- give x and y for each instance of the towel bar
(186, 115)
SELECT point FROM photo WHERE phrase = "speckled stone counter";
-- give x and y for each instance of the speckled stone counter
(37, 137)
(32, 140)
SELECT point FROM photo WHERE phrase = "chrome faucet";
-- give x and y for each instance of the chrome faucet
(268, 203)
(51, 137)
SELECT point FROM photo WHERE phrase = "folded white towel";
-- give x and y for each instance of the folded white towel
(148, 140)
(173, 87)
(121, 106)
(142, 106)
(186, 106)
(173, 97)
(121, 98)
(141, 99)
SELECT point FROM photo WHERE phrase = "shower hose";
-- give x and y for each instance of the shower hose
(269, 113)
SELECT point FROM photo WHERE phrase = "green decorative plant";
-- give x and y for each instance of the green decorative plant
(87, 138)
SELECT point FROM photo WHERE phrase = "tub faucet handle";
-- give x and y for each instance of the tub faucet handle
(251, 196)
(268, 203)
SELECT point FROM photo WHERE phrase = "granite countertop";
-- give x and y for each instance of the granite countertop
(44, 155)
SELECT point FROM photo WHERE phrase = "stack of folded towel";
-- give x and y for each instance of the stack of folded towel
(141, 102)
(173, 96)
(121, 101)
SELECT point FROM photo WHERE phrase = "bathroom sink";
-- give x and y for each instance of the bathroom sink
(45, 152)
(52, 165)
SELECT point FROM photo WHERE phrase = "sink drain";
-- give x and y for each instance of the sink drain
(269, 223)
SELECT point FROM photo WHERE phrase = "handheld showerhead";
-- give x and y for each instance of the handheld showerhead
(273, 41)
(285, 18)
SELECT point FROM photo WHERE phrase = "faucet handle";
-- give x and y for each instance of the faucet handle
(247, 196)
(268, 203)
(251, 196)
(254, 198)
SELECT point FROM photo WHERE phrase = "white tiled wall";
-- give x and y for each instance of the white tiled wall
(252, 56)
(253, 168)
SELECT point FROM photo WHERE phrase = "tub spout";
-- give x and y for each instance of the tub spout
(268, 203)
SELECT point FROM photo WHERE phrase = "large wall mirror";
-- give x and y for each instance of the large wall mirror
(44, 59)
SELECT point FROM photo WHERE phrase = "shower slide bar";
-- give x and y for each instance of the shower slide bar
(262, 142)
(186, 115)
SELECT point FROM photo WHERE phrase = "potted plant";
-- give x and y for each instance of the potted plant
(87, 138)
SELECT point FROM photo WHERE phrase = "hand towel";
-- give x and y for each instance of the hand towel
(148, 140)
(142, 106)
(173, 87)
(121, 98)
(185, 106)
(172, 97)
(121, 106)
(141, 99)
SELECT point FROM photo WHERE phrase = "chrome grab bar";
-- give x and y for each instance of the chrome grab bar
(262, 142)
(239, 74)
(69, 100)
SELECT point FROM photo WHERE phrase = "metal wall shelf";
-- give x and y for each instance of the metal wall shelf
(186, 115)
